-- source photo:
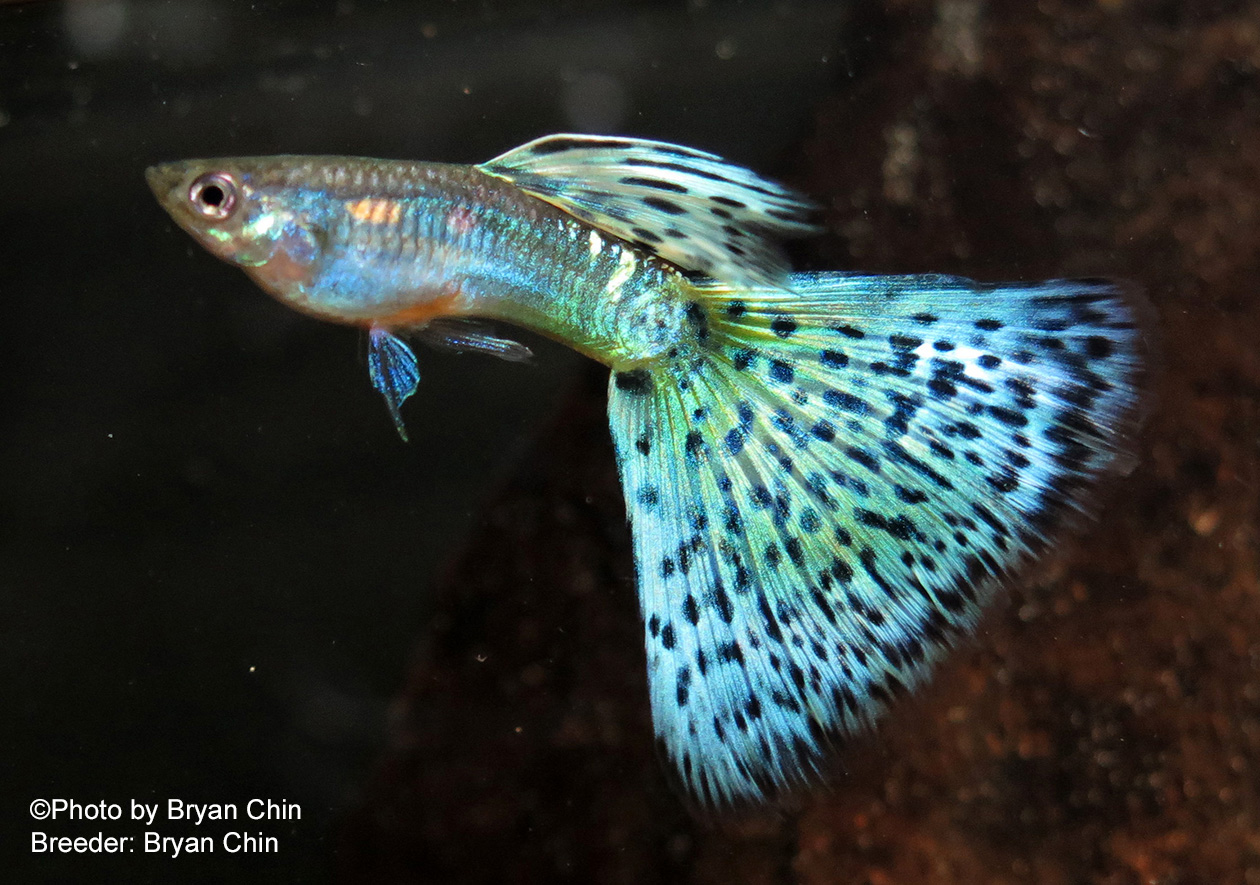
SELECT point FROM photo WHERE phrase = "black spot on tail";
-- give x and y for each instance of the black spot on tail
(783, 326)
(637, 382)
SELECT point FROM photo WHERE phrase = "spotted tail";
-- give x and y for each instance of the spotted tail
(826, 498)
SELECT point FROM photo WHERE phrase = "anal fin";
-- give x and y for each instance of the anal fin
(465, 335)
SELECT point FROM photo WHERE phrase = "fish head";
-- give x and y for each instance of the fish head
(240, 213)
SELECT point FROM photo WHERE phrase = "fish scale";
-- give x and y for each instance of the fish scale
(828, 476)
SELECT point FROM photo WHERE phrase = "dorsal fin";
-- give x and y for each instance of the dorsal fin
(692, 208)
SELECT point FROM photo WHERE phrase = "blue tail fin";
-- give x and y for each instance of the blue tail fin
(825, 498)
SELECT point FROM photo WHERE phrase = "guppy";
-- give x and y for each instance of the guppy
(827, 475)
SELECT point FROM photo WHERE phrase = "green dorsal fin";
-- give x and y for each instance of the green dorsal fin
(692, 208)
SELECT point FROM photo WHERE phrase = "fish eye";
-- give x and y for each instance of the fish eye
(213, 195)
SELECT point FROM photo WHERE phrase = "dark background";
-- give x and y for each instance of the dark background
(224, 577)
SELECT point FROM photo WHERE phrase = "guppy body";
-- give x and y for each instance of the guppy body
(396, 244)
(827, 475)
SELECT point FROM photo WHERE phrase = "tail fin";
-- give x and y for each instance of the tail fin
(827, 497)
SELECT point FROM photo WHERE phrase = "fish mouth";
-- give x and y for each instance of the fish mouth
(164, 178)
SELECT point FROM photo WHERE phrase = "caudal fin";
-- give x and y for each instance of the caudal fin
(825, 498)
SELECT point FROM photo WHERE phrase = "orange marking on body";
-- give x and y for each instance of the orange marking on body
(442, 304)
(375, 211)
